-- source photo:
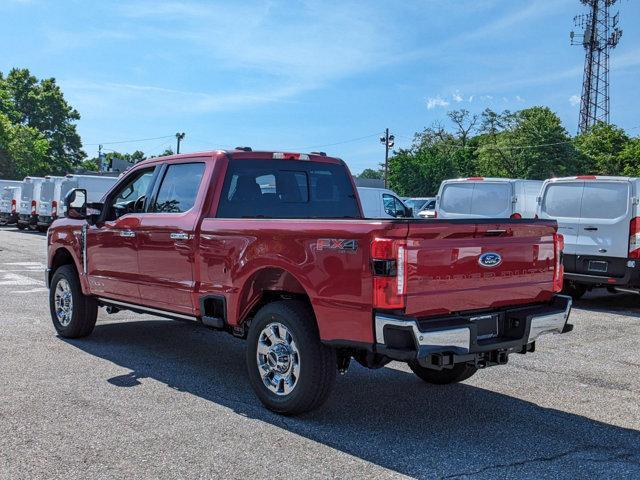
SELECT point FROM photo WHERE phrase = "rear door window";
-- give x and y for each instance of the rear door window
(457, 197)
(287, 189)
(179, 188)
(563, 199)
(491, 198)
(606, 200)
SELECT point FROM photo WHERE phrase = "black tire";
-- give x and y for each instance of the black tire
(84, 309)
(574, 290)
(317, 362)
(21, 226)
(458, 373)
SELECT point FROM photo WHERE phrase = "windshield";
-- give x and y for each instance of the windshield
(418, 204)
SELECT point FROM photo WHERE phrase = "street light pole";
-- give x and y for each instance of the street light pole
(179, 138)
(388, 141)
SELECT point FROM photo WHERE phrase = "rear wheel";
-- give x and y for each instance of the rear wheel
(73, 313)
(458, 373)
(21, 226)
(574, 290)
(290, 370)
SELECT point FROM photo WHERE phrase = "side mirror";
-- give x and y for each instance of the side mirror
(75, 203)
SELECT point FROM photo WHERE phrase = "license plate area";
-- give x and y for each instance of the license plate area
(486, 325)
(598, 266)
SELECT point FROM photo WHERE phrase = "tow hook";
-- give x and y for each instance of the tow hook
(111, 309)
(343, 363)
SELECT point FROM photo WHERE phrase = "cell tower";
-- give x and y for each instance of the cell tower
(599, 33)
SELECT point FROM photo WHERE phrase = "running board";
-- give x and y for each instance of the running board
(142, 309)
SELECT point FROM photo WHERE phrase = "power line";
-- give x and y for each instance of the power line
(127, 141)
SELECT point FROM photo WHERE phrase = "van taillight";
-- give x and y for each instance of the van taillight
(558, 271)
(634, 238)
(13, 206)
(33, 207)
(516, 215)
(435, 214)
(389, 268)
(54, 208)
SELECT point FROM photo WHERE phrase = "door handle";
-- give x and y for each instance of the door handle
(179, 236)
(591, 229)
(127, 233)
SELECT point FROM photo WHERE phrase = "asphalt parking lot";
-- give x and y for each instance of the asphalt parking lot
(149, 398)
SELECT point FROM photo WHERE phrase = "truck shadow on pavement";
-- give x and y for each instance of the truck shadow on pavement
(388, 417)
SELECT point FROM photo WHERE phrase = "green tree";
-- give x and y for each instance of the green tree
(530, 143)
(23, 150)
(40, 105)
(630, 157)
(370, 173)
(601, 149)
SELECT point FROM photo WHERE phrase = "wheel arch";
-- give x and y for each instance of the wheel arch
(266, 285)
(64, 256)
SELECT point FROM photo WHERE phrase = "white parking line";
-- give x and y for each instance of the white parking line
(17, 280)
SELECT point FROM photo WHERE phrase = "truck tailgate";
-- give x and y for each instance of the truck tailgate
(445, 274)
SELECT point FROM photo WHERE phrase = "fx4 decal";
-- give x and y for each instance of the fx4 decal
(342, 244)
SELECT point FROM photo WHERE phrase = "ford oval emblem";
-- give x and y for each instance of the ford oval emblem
(490, 259)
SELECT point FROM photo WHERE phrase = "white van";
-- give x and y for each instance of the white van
(479, 197)
(29, 197)
(382, 203)
(600, 221)
(9, 199)
(50, 200)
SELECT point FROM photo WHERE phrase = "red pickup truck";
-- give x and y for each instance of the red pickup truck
(273, 247)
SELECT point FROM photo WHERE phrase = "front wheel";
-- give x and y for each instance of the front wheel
(290, 370)
(458, 373)
(73, 313)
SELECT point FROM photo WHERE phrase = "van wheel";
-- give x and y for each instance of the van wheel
(458, 373)
(574, 290)
(21, 226)
(289, 369)
(73, 313)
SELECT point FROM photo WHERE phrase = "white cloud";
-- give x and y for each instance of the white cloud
(433, 102)
(457, 97)
(519, 99)
(574, 100)
(279, 52)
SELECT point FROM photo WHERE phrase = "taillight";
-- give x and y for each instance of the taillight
(33, 207)
(54, 208)
(558, 271)
(516, 215)
(14, 206)
(389, 268)
(634, 238)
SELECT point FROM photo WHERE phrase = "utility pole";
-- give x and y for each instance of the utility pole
(101, 166)
(388, 141)
(179, 138)
(600, 33)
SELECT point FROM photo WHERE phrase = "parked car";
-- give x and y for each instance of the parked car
(423, 207)
(382, 203)
(9, 199)
(600, 220)
(301, 274)
(30, 196)
(479, 197)
(54, 190)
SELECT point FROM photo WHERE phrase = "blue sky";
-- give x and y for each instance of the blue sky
(306, 75)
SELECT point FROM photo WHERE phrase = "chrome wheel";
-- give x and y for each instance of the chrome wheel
(63, 302)
(278, 359)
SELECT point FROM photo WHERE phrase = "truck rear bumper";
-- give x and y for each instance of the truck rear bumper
(467, 337)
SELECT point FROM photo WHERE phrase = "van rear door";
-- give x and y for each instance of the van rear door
(604, 219)
(476, 199)
(561, 201)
